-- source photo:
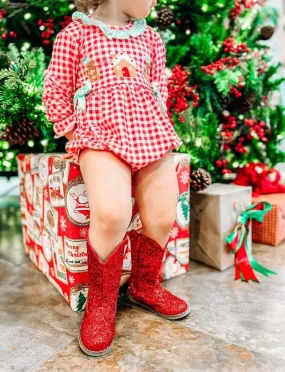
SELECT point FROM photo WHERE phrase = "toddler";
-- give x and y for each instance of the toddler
(106, 90)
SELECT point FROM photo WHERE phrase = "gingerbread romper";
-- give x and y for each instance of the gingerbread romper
(110, 83)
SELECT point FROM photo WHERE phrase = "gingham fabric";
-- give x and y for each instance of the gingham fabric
(121, 112)
(272, 230)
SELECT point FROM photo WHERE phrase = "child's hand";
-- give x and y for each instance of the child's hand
(66, 156)
(69, 136)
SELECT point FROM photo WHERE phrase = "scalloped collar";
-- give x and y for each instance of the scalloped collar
(118, 32)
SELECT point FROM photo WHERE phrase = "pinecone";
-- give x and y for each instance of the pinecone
(225, 101)
(267, 131)
(200, 180)
(165, 17)
(245, 103)
(266, 32)
(20, 133)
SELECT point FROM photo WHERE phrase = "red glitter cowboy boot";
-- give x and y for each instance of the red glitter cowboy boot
(144, 286)
(97, 330)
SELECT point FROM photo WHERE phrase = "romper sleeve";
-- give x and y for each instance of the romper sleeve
(60, 82)
(158, 76)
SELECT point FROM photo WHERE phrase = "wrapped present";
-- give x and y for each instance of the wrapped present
(272, 230)
(55, 218)
(214, 213)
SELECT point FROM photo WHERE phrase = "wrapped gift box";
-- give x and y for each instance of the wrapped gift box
(55, 219)
(272, 230)
(214, 213)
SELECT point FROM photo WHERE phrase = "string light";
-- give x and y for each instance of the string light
(5, 145)
(198, 142)
(10, 155)
(27, 16)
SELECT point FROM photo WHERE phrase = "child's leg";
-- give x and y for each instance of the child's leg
(108, 185)
(156, 190)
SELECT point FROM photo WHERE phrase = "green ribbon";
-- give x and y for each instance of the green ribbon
(238, 239)
(155, 87)
(79, 96)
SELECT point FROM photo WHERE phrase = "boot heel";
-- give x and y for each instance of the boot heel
(94, 353)
(169, 317)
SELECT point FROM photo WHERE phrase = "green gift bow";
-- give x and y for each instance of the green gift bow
(238, 243)
(79, 96)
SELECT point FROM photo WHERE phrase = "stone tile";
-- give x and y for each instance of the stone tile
(35, 320)
(247, 314)
(11, 242)
(145, 342)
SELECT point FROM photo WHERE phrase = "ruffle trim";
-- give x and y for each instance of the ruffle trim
(137, 29)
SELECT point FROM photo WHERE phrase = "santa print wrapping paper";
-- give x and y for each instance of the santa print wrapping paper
(55, 220)
(272, 230)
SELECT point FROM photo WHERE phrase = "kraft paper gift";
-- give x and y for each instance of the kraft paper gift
(214, 213)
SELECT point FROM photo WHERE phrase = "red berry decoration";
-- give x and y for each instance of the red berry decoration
(180, 93)
(13, 34)
(231, 47)
(67, 20)
(48, 31)
(220, 65)
(240, 5)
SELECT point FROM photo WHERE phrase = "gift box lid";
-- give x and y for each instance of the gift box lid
(223, 188)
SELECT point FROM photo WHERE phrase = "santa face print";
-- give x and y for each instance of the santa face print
(77, 206)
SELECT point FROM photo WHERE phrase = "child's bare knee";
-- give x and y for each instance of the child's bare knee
(111, 218)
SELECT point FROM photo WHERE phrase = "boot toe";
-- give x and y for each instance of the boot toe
(179, 306)
(95, 338)
(171, 304)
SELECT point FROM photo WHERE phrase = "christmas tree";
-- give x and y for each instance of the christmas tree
(27, 31)
(221, 79)
(222, 82)
(81, 300)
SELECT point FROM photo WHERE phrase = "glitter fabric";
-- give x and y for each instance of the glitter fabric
(97, 329)
(144, 285)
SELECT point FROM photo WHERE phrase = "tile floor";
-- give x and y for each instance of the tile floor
(233, 326)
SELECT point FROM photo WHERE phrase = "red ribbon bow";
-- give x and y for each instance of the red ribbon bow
(262, 179)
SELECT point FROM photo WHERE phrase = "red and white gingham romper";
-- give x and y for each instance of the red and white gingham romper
(110, 83)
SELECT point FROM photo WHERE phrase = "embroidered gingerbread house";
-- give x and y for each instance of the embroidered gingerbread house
(123, 65)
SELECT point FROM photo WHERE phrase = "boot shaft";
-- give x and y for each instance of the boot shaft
(147, 256)
(104, 277)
